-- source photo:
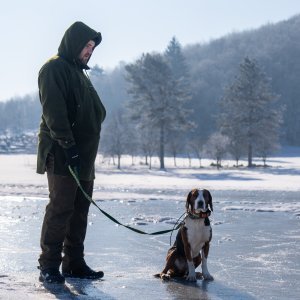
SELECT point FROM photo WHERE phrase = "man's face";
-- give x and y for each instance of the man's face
(86, 52)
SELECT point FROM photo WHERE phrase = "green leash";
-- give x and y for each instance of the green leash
(115, 220)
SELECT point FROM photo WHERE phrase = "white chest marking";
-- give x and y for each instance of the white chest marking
(198, 234)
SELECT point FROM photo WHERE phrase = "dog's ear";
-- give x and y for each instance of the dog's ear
(207, 194)
(188, 204)
(188, 201)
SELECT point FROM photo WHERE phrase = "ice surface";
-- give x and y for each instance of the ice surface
(254, 254)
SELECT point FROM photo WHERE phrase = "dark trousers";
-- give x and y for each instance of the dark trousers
(65, 221)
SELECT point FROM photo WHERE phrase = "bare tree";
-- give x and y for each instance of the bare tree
(217, 147)
(148, 144)
(114, 137)
(196, 148)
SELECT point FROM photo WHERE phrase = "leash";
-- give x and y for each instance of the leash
(178, 226)
(115, 220)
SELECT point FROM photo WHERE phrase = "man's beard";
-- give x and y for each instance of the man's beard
(85, 59)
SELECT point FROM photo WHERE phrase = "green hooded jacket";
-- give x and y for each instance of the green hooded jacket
(72, 111)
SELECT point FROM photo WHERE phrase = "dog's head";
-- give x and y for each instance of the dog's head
(198, 200)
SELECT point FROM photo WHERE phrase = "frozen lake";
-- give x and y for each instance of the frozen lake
(255, 250)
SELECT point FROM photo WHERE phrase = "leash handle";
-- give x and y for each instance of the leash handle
(112, 218)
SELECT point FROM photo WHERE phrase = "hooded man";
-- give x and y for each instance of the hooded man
(72, 113)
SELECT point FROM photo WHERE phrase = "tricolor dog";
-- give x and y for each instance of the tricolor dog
(193, 236)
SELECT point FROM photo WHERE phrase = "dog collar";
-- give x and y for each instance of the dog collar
(200, 215)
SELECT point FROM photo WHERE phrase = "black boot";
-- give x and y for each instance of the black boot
(51, 275)
(82, 272)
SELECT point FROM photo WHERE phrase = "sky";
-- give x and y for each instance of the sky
(31, 30)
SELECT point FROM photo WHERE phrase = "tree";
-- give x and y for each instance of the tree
(148, 143)
(269, 143)
(175, 144)
(157, 102)
(131, 143)
(180, 73)
(114, 137)
(20, 113)
(236, 149)
(196, 147)
(179, 69)
(110, 85)
(249, 114)
(216, 147)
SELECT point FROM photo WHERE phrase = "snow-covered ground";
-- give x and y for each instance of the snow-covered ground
(255, 251)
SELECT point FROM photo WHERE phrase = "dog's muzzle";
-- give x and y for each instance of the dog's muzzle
(200, 206)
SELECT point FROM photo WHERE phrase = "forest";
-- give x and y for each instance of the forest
(200, 76)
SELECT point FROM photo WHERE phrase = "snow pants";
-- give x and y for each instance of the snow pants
(65, 221)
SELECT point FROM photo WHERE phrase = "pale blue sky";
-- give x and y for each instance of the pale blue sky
(31, 30)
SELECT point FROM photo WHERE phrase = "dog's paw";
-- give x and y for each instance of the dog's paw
(191, 277)
(208, 277)
(199, 275)
(165, 276)
(162, 276)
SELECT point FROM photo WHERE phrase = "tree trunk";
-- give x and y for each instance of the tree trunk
(119, 161)
(190, 160)
(265, 161)
(174, 158)
(162, 148)
(218, 163)
(250, 165)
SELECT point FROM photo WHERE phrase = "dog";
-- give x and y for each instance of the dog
(194, 235)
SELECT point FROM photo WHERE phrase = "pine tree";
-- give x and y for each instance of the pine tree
(178, 66)
(249, 115)
(157, 100)
(180, 74)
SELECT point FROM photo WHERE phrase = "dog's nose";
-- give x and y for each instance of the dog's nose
(200, 204)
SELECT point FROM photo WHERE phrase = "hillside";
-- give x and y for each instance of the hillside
(276, 48)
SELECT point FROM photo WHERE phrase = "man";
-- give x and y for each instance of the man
(69, 135)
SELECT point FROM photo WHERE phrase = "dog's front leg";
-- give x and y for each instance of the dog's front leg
(192, 273)
(191, 276)
(205, 273)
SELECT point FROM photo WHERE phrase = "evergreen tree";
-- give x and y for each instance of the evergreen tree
(249, 115)
(178, 66)
(180, 73)
(157, 101)
(111, 86)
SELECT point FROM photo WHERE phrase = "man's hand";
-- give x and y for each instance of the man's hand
(72, 158)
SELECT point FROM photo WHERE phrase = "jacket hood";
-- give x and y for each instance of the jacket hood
(75, 38)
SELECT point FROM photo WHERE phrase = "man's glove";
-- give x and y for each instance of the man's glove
(72, 158)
